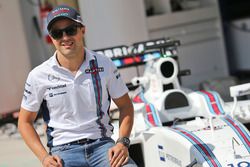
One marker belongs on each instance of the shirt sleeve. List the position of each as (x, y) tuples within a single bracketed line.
[(31, 100), (116, 85)]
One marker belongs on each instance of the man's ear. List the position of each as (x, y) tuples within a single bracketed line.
[(83, 29)]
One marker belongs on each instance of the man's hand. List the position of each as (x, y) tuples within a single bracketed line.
[(52, 161), (118, 155)]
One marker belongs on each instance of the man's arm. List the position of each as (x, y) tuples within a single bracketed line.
[(119, 153), (32, 139), (126, 118)]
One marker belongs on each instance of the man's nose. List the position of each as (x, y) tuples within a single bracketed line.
[(65, 36)]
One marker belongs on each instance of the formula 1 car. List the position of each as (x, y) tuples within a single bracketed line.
[(175, 126)]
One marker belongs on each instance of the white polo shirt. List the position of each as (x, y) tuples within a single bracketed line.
[(74, 107)]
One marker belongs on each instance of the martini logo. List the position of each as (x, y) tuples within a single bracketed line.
[(94, 70)]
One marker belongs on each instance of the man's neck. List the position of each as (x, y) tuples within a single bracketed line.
[(71, 62)]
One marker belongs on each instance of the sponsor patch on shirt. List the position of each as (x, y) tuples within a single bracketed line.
[(27, 91), (117, 74), (57, 87), (57, 90), (94, 70), (56, 94), (53, 78)]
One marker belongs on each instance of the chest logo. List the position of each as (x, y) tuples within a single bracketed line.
[(94, 70), (53, 78)]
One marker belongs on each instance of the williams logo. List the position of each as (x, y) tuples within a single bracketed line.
[(53, 78)]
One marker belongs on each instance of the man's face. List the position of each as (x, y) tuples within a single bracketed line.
[(67, 36)]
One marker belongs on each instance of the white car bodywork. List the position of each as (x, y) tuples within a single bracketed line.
[(174, 126), (207, 140), (203, 131)]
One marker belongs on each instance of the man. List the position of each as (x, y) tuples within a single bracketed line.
[(74, 89)]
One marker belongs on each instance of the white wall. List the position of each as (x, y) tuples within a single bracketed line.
[(14, 57), (38, 49), (113, 22), (117, 22)]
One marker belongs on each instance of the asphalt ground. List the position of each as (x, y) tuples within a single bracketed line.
[(14, 153)]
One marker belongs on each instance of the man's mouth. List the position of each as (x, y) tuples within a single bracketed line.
[(67, 44)]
